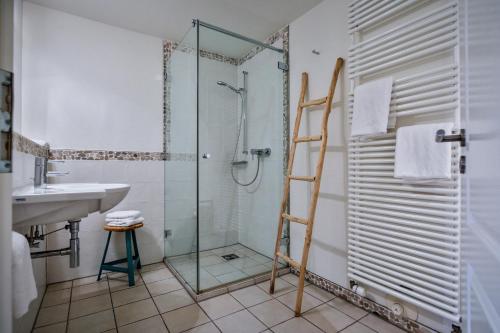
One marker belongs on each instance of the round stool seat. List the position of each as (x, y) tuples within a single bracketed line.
[(120, 228)]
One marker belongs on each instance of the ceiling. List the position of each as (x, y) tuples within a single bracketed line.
[(170, 19)]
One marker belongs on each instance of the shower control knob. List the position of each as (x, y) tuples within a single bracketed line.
[(206, 156)]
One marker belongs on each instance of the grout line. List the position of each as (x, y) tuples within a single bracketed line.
[(152, 299), (69, 307), (245, 308), (112, 306)]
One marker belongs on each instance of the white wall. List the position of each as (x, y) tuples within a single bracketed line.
[(259, 203), (323, 28), (88, 85), (91, 86)]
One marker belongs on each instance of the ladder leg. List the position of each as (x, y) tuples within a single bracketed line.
[(302, 274), (286, 190)]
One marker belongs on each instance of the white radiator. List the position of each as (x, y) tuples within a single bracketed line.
[(404, 240)]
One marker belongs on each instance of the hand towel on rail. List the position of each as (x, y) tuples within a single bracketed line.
[(371, 108), (24, 286), (419, 156)]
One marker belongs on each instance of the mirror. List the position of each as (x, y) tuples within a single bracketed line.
[(6, 100)]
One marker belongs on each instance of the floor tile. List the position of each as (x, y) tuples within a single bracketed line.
[(271, 312), (240, 322), (151, 325), (59, 286), (55, 328), (120, 281), (130, 295), (87, 280), (52, 315), (251, 296), (97, 322), (163, 286), (349, 309), (328, 318), (220, 306), (358, 328), (156, 275), (293, 279), (206, 328), (296, 325), (89, 290), (281, 287), (254, 270), (230, 277), (153, 267), (133, 312), (260, 258), (211, 260), (172, 300), (319, 293), (379, 325), (56, 297), (243, 262), (90, 305), (185, 318), (308, 301), (219, 269)]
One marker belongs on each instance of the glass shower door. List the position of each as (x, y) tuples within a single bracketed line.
[(240, 155)]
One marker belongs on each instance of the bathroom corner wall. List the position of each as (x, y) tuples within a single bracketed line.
[(323, 28), (94, 92)]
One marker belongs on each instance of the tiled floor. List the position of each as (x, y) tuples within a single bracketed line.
[(158, 303), (215, 270)]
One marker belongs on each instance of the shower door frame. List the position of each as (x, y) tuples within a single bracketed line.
[(286, 125)]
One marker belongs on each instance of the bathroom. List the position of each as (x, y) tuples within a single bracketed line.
[(145, 152)]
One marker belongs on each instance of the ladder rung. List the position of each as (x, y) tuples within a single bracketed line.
[(294, 218), (304, 178), (289, 260), (313, 102), (308, 138)]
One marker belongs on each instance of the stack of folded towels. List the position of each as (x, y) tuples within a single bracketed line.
[(124, 218)]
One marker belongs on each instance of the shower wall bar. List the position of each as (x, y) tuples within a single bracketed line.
[(404, 240)]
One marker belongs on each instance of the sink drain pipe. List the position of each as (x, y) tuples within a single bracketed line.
[(73, 251)]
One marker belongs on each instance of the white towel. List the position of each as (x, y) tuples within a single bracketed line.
[(419, 156), (371, 108), (24, 286), (125, 222), (124, 214)]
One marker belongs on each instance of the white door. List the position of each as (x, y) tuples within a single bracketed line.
[(481, 183)]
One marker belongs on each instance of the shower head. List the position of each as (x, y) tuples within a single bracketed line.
[(225, 84)]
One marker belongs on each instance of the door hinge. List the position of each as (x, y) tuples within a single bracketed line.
[(283, 66), (285, 241)]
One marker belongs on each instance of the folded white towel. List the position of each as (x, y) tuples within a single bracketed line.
[(124, 214), (371, 108), (125, 222), (24, 286), (419, 156)]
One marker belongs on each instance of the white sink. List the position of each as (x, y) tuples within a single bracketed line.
[(63, 202)]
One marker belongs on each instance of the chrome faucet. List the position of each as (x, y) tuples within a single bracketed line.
[(42, 173)]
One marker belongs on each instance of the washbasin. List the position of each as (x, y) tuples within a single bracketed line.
[(64, 202)]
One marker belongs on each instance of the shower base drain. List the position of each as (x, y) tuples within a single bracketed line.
[(230, 256)]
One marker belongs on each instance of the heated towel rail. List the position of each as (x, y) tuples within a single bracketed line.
[(404, 239)]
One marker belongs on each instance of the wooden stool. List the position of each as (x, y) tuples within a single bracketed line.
[(133, 261)]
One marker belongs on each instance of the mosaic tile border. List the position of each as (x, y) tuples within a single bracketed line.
[(104, 155), (365, 303), (24, 145), (203, 53)]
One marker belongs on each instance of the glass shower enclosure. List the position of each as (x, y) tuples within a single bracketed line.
[(225, 142)]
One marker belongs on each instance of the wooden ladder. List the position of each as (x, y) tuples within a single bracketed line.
[(316, 179)]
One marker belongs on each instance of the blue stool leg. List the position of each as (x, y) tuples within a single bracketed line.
[(130, 260), (136, 250), (104, 256)]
